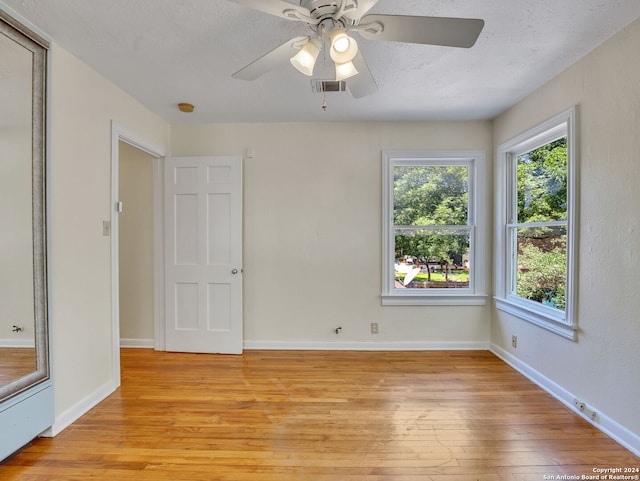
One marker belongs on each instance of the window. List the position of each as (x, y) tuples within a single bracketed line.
[(431, 237), (536, 222)]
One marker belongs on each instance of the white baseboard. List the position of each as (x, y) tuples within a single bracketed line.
[(26, 343), (365, 346), (142, 343), (604, 423), (80, 408)]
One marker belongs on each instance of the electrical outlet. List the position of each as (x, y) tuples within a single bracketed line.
[(514, 342), (374, 328)]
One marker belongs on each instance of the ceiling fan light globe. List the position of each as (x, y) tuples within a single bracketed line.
[(305, 60), (345, 70), (343, 48), (341, 43)]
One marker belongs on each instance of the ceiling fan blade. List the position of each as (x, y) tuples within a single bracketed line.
[(363, 83), (363, 6), (270, 60), (275, 7), (449, 32)]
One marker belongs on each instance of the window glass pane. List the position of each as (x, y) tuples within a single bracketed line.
[(542, 183), (431, 258), (430, 195), (542, 265)]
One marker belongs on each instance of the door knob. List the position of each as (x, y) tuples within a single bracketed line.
[(234, 271)]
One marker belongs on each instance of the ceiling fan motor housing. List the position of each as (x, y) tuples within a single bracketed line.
[(324, 11), (320, 8)]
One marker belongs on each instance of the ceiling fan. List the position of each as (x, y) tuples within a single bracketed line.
[(331, 20)]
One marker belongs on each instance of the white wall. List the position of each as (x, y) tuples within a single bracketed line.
[(312, 229), (83, 104), (602, 367), (136, 244)]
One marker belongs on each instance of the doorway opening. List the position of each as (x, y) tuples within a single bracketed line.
[(135, 240), (136, 278)]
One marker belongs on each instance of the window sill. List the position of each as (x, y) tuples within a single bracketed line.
[(535, 316), (433, 300)]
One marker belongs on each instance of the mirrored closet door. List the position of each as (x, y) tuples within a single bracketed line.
[(26, 399)]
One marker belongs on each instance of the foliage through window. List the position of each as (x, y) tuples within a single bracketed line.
[(430, 239), (537, 251), (540, 224)]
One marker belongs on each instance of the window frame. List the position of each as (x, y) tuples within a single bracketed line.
[(563, 323), (473, 295)]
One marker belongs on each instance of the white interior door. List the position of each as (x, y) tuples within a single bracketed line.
[(203, 254)]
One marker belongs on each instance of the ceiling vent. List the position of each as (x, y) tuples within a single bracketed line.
[(321, 86)]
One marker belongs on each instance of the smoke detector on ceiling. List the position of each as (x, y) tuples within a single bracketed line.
[(185, 107)]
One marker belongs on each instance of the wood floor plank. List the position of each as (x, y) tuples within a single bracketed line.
[(320, 416)]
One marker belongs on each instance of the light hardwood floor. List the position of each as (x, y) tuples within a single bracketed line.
[(326, 416), (16, 362)]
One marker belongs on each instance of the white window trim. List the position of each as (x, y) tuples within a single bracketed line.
[(562, 323), (475, 294)]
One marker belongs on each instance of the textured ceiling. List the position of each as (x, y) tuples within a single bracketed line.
[(167, 51)]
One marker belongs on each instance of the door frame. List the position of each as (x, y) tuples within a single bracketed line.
[(120, 133)]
